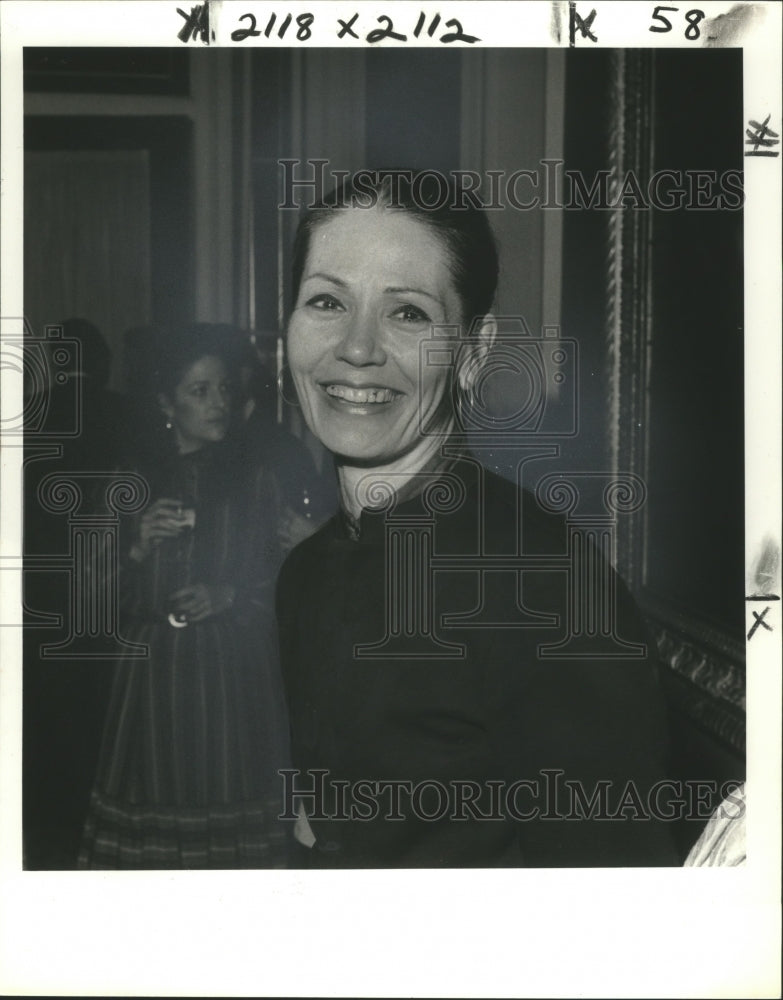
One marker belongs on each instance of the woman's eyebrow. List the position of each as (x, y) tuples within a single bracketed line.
[(327, 277), (417, 291)]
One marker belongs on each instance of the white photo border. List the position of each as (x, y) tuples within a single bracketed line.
[(647, 932)]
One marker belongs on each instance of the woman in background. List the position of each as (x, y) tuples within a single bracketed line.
[(196, 731)]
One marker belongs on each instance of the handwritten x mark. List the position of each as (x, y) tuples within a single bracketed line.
[(759, 621)]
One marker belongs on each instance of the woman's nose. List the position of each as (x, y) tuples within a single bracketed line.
[(361, 344), (220, 399)]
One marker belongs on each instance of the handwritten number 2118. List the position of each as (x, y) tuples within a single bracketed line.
[(303, 32)]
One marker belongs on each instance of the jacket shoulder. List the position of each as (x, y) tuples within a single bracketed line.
[(308, 552)]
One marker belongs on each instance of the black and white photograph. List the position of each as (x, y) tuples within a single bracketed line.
[(391, 499)]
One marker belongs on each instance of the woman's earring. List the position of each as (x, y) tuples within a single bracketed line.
[(285, 388)]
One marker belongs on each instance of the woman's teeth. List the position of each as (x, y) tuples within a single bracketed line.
[(353, 395)]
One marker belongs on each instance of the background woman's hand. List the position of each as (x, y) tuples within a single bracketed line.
[(201, 600), (162, 519), (293, 528)]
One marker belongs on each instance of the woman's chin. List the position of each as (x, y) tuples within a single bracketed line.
[(371, 454), (368, 441), (347, 454), (218, 434), (360, 450)]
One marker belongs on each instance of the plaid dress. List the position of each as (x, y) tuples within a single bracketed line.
[(196, 731)]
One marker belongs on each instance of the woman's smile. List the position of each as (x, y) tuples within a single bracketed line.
[(358, 397)]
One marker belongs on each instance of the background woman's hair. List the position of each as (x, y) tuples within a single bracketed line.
[(188, 345), (434, 199)]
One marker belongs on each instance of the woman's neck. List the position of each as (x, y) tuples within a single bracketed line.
[(362, 487)]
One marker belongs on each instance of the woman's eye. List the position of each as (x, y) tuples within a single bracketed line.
[(325, 303), (411, 314)]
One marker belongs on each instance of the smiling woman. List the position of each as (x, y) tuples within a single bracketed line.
[(430, 706), (370, 285)]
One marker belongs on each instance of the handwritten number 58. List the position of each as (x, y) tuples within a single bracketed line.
[(692, 17)]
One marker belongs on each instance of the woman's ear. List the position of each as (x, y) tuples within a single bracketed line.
[(475, 351), (165, 406)]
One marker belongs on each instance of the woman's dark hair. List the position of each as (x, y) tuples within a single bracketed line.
[(189, 344), (435, 200), (95, 352)]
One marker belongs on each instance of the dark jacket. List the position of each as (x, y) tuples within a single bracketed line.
[(413, 654)]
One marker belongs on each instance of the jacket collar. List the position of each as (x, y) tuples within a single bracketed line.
[(408, 501)]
